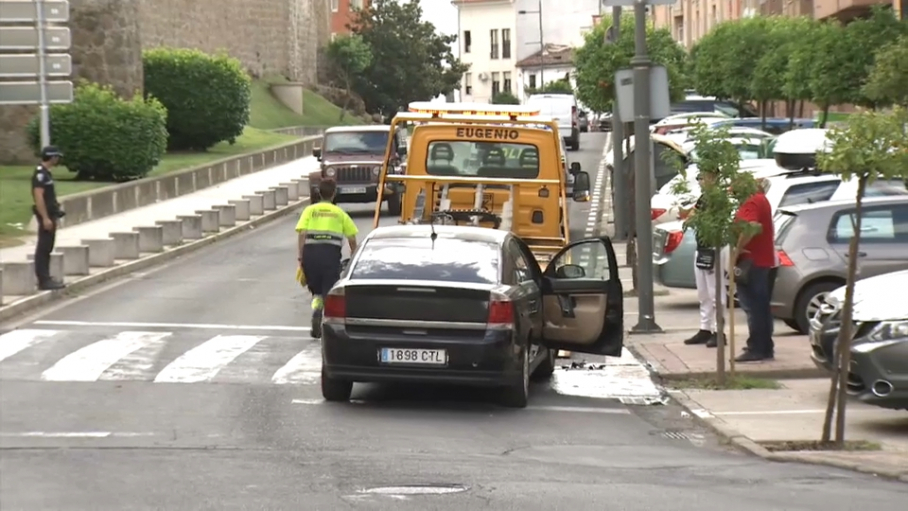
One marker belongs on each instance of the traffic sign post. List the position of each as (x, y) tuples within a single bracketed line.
[(40, 65)]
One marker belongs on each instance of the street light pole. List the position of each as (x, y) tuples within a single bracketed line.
[(541, 49), (619, 178)]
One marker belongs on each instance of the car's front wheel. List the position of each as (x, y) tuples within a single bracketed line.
[(518, 393), (334, 389)]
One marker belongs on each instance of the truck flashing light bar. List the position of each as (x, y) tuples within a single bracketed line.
[(436, 110)]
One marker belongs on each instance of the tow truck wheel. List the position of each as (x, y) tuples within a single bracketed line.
[(336, 390), (394, 205), (517, 394)]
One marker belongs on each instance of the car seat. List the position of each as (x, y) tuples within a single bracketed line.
[(441, 152)]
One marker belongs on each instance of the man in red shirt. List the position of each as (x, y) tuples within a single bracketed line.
[(754, 294)]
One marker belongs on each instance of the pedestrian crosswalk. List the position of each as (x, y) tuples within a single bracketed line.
[(158, 357)]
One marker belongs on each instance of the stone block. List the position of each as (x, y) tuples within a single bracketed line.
[(226, 214), (211, 220), (101, 252), (75, 260), (191, 226), (18, 279), (281, 195), (293, 191), (302, 187), (256, 204), (241, 209), (268, 200), (151, 238), (126, 245), (55, 266), (172, 231)]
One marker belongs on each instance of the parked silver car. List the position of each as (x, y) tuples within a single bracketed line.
[(812, 241)]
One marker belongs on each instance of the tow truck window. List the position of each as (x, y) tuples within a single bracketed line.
[(362, 142), (483, 159), (448, 260)]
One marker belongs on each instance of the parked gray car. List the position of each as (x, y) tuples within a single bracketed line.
[(812, 241)]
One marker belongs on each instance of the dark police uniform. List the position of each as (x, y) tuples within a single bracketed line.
[(327, 227), (43, 179)]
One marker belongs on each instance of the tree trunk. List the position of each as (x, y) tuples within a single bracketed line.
[(763, 115), (720, 319), (730, 302), (801, 109), (845, 333), (791, 105), (824, 116)]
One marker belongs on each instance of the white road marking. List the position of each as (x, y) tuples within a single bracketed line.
[(203, 362), (18, 340), (199, 326), (73, 434), (305, 367), (90, 362), (769, 412), (138, 365)]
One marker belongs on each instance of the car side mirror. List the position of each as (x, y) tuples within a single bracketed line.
[(575, 167), (581, 187), (570, 271), (317, 152)]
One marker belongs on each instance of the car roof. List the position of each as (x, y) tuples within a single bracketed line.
[(355, 129), (837, 204), (456, 232)]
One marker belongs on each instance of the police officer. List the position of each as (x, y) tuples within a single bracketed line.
[(322, 228), (47, 212)]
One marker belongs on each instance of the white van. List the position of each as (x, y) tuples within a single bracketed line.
[(563, 109)]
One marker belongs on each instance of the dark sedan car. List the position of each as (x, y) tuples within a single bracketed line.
[(466, 305)]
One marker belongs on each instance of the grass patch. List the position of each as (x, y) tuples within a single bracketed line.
[(815, 445), (731, 383), (15, 181), (268, 113)]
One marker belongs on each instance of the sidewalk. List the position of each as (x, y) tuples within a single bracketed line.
[(750, 418)]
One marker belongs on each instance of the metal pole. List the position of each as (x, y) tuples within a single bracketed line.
[(641, 64), (619, 178), (541, 50), (42, 75)]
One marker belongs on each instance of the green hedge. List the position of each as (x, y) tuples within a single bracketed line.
[(207, 96), (104, 137)]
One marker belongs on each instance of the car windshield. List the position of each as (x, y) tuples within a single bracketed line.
[(448, 260), (356, 142), (483, 159)]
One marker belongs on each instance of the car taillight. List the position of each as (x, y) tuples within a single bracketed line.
[(784, 260), (673, 241), (656, 213), (501, 313), (683, 213), (335, 307)]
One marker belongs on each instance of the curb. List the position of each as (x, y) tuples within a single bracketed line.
[(770, 374), (749, 446), (45, 297)]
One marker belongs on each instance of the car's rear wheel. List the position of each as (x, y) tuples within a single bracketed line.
[(545, 368), (809, 302), (336, 390), (518, 394)]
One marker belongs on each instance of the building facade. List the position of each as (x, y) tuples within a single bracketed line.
[(342, 14), (486, 31)]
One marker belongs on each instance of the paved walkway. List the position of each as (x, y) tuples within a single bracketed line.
[(170, 209)]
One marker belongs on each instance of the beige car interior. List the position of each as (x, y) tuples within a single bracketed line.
[(586, 325)]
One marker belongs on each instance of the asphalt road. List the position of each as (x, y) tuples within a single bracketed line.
[(127, 403)]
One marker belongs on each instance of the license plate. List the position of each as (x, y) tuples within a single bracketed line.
[(352, 189), (413, 356)]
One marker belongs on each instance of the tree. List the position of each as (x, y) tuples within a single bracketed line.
[(349, 56), (802, 52), (505, 98), (715, 224), (872, 145), (597, 61), (783, 36), (888, 80), (562, 86), (866, 37), (829, 68), (726, 59), (411, 61)]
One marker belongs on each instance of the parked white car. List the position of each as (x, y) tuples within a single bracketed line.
[(682, 135), (674, 122)]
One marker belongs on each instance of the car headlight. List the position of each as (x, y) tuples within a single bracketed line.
[(376, 171), (330, 172), (885, 334)]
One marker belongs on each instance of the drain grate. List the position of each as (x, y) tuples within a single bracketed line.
[(675, 435)]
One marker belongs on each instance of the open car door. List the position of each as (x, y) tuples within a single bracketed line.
[(583, 301)]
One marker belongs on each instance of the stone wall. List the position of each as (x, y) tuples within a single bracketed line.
[(270, 37)]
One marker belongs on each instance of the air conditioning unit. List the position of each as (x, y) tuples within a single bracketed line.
[(483, 76)]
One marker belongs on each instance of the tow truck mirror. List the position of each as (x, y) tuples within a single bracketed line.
[(317, 152), (575, 168), (581, 187)]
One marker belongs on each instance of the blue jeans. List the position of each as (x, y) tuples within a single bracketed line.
[(755, 297)]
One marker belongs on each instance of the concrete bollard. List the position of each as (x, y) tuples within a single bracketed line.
[(55, 266), (1, 287), (302, 187), (192, 226), (19, 279), (241, 209), (211, 221), (268, 200), (293, 191), (172, 231), (226, 214), (256, 204), (151, 238), (75, 260), (100, 252), (281, 195), (126, 245)]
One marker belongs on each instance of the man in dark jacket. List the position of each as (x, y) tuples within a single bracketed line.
[(47, 212)]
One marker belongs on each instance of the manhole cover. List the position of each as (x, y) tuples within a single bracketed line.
[(428, 489)]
